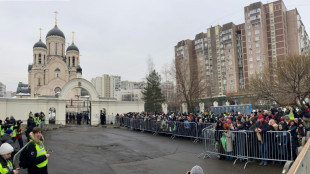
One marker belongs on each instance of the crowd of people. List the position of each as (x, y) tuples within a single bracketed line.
[(294, 122), (35, 156), (77, 118)]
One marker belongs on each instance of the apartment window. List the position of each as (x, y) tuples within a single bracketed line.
[(272, 27), (249, 33), (229, 69), (251, 65), (231, 81), (223, 57), (231, 87), (257, 45), (208, 73), (273, 52), (248, 20), (207, 61), (257, 38), (230, 63), (256, 31), (223, 70), (201, 58), (250, 52), (223, 64), (256, 25), (228, 45), (229, 56), (258, 51), (251, 59), (207, 67), (273, 46), (230, 75), (224, 81), (259, 58), (249, 40), (229, 50), (272, 33), (250, 46), (251, 72), (260, 64), (249, 26)]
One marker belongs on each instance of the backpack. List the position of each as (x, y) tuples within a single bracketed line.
[(23, 158)]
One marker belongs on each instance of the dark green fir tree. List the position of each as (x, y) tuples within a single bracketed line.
[(152, 95)]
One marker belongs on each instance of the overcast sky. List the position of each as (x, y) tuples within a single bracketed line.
[(114, 37)]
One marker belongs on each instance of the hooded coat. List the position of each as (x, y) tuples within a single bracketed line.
[(32, 156)]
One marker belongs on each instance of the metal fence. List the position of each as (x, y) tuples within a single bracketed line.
[(173, 128), (248, 145)]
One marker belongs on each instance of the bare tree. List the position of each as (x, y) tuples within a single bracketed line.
[(189, 87), (287, 84)]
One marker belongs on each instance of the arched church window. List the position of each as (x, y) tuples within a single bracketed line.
[(62, 49), (57, 90), (49, 48), (69, 61), (40, 61), (73, 61), (44, 59), (35, 59), (56, 49), (39, 82), (57, 72)]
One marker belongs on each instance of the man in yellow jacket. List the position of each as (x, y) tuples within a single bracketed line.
[(36, 153), (6, 165)]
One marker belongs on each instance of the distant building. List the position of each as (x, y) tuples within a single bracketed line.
[(2, 90), (106, 85), (223, 59)]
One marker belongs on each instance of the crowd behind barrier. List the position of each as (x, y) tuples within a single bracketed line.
[(173, 128), (275, 135)]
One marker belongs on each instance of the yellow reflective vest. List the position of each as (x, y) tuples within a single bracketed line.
[(14, 131), (2, 130), (40, 151), (7, 169)]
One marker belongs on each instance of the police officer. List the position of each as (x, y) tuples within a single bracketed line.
[(37, 154)]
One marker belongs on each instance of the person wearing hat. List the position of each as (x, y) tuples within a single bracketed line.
[(37, 154), (7, 137), (6, 165), (195, 170), (262, 127)]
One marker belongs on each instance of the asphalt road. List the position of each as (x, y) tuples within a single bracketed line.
[(96, 150)]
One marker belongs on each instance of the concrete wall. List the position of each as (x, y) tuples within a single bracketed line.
[(302, 163), (20, 108)]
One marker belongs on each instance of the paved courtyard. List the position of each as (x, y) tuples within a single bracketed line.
[(120, 151)]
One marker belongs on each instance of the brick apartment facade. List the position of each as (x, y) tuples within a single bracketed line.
[(223, 59)]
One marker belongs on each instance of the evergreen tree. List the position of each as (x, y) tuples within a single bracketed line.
[(152, 95)]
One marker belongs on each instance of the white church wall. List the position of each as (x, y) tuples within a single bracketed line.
[(20, 108)]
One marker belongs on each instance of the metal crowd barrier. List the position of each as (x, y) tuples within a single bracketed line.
[(246, 145), (173, 128)]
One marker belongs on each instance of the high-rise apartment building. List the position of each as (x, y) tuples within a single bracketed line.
[(223, 59), (2, 90), (106, 85)]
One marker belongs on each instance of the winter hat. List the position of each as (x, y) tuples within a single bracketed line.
[(197, 170), (8, 131), (259, 117), (6, 148)]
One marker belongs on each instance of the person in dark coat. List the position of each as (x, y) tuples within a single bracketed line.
[(218, 135), (38, 162), (262, 127), (292, 130)]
